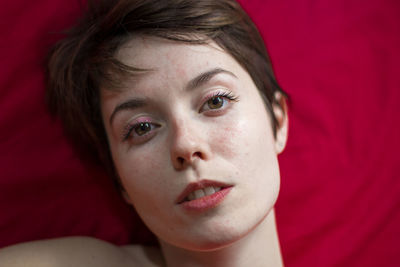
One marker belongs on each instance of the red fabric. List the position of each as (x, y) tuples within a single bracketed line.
[(339, 61), (340, 196)]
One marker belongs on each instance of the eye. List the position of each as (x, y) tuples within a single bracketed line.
[(140, 131), (218, 101), (142, 128)]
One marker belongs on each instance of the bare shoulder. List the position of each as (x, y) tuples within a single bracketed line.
[(145, 255), (71, 252)]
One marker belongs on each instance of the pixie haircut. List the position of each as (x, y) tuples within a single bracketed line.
[(84, 60)]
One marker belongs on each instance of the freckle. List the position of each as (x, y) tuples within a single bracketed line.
[(181, 72)]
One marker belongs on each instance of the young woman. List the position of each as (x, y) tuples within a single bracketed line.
[(178, 100)]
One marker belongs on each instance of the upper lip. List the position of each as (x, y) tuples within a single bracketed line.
[(198, 185)]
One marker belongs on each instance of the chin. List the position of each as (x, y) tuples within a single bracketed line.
[(216, 237)]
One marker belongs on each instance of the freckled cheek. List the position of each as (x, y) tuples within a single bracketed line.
[(227, 141), (138, 172), (243, 138)]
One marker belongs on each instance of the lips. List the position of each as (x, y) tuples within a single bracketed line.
[(199, 193), (201, 189)]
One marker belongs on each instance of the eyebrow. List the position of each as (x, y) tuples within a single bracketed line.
[(194, 83), (205, 77)]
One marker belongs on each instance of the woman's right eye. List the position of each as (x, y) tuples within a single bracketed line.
[(141, 130)]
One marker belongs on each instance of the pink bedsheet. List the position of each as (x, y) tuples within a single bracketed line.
[(340, 196)]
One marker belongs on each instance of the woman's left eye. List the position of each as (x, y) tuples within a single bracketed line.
[(218, 101)]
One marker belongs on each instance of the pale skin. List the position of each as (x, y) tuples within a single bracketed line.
[(195, 115)]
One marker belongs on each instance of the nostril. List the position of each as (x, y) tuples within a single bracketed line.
[(181, 160), (197, 154)]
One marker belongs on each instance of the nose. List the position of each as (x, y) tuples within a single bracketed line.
[(188, 144)]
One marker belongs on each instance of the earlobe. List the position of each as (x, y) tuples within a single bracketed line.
[(281, 113)]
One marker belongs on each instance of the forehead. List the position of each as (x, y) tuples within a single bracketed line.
[(172, 59), (146, 50)]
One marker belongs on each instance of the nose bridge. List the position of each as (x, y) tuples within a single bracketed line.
[(188, 141), (184, 133)]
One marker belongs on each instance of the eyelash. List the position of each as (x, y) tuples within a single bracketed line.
[(131, 127), (227, 95)]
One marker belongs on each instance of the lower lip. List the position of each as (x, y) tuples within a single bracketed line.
[(206, 202)]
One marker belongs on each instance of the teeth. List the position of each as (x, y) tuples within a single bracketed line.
[(199, 193), (209, 190)]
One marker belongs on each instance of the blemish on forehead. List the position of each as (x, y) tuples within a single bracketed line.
[(181, 72), (144, 41)]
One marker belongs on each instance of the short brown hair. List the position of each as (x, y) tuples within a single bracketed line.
[(84, 60)]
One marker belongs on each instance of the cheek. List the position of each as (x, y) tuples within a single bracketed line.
[(224, 141), (138, 171), (244, 138)]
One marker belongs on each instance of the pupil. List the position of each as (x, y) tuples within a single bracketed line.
[(143, 128), (216, 102)]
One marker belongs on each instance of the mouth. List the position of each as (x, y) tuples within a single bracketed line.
[(199, 193), (203, 195)]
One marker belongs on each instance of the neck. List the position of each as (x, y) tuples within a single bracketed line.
[(260, 248)]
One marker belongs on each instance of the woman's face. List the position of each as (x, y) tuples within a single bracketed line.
[(192, 143)]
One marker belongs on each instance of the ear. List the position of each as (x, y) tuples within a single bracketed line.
[(281, 113)]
